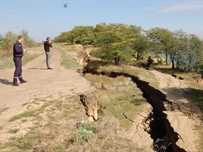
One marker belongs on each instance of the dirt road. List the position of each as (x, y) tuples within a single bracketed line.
[(41, 82)]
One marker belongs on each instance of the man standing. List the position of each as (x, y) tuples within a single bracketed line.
[(17, 58), (47, 46)]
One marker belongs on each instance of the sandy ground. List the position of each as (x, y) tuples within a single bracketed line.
[(41, 82), (183, 121)]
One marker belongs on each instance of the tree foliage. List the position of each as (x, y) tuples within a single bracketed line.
[(7, 41), (123, 43), (117, 41), (181, 49), (79, 35)]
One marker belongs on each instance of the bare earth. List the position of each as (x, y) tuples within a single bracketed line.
[(43, 82), (183, 121)]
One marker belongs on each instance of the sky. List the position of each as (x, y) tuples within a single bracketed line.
[(43, 18)]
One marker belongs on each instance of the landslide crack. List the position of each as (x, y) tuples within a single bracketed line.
[(163, 135)]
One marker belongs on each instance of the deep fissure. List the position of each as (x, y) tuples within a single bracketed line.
[(163, 135)]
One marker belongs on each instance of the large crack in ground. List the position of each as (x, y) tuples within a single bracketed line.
[(163, 135)]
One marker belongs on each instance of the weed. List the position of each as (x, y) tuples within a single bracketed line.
[(3, 110), (84, 134), (24, 120), (31, 113), (25, 104), (13, 131)]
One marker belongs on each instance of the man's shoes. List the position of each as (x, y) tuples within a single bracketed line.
[(15, 84), (49, 68), (23, 81)]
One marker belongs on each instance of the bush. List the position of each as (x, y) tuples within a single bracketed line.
[(7, 41)]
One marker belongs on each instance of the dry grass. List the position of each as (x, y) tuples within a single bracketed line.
[(120, 97), (58, 123), (32, 53), (141, 73), (195, 93)]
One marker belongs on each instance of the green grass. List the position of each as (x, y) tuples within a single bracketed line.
[(3, 110), (32, 113), (167, 69), (122, 97), (13, 131), (68, 62), (6, 63), (25, 142), (196, 94), (141, 73), (197, 97), (63, 127)]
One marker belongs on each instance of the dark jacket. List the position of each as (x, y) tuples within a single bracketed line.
[(17, 49), (46, 46)]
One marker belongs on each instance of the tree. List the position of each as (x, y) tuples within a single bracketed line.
[(162, 38), (195, 51), (78, 35), (140, 46), (115, 41), (62, 37), (7, 43), (28, 42)]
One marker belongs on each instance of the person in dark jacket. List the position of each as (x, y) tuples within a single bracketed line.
[(17, 58), (47, 46)]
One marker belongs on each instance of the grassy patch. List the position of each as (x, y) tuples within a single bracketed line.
[(6, 63), (68, 62), (141, 73), (28, 57), (3, 110), (13, 131), (32, 113), (167, 69), (64, 127), (196, 94), (23, 143), (122, 97)]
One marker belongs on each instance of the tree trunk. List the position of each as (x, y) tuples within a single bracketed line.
[(177, 65), (173, 65), (166, 57), (138, 55), (117, 61)]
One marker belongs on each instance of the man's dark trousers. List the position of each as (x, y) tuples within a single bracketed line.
[(18, 69)]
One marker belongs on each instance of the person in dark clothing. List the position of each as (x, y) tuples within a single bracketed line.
[(149, 61), (17, 58), (47, 46)]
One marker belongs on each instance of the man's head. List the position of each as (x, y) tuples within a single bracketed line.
[(20, 38), (48, 38)]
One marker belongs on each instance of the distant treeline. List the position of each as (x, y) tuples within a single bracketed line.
[(122, 43), (7, 41)]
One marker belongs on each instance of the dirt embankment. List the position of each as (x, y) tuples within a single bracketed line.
[(160, 121)]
